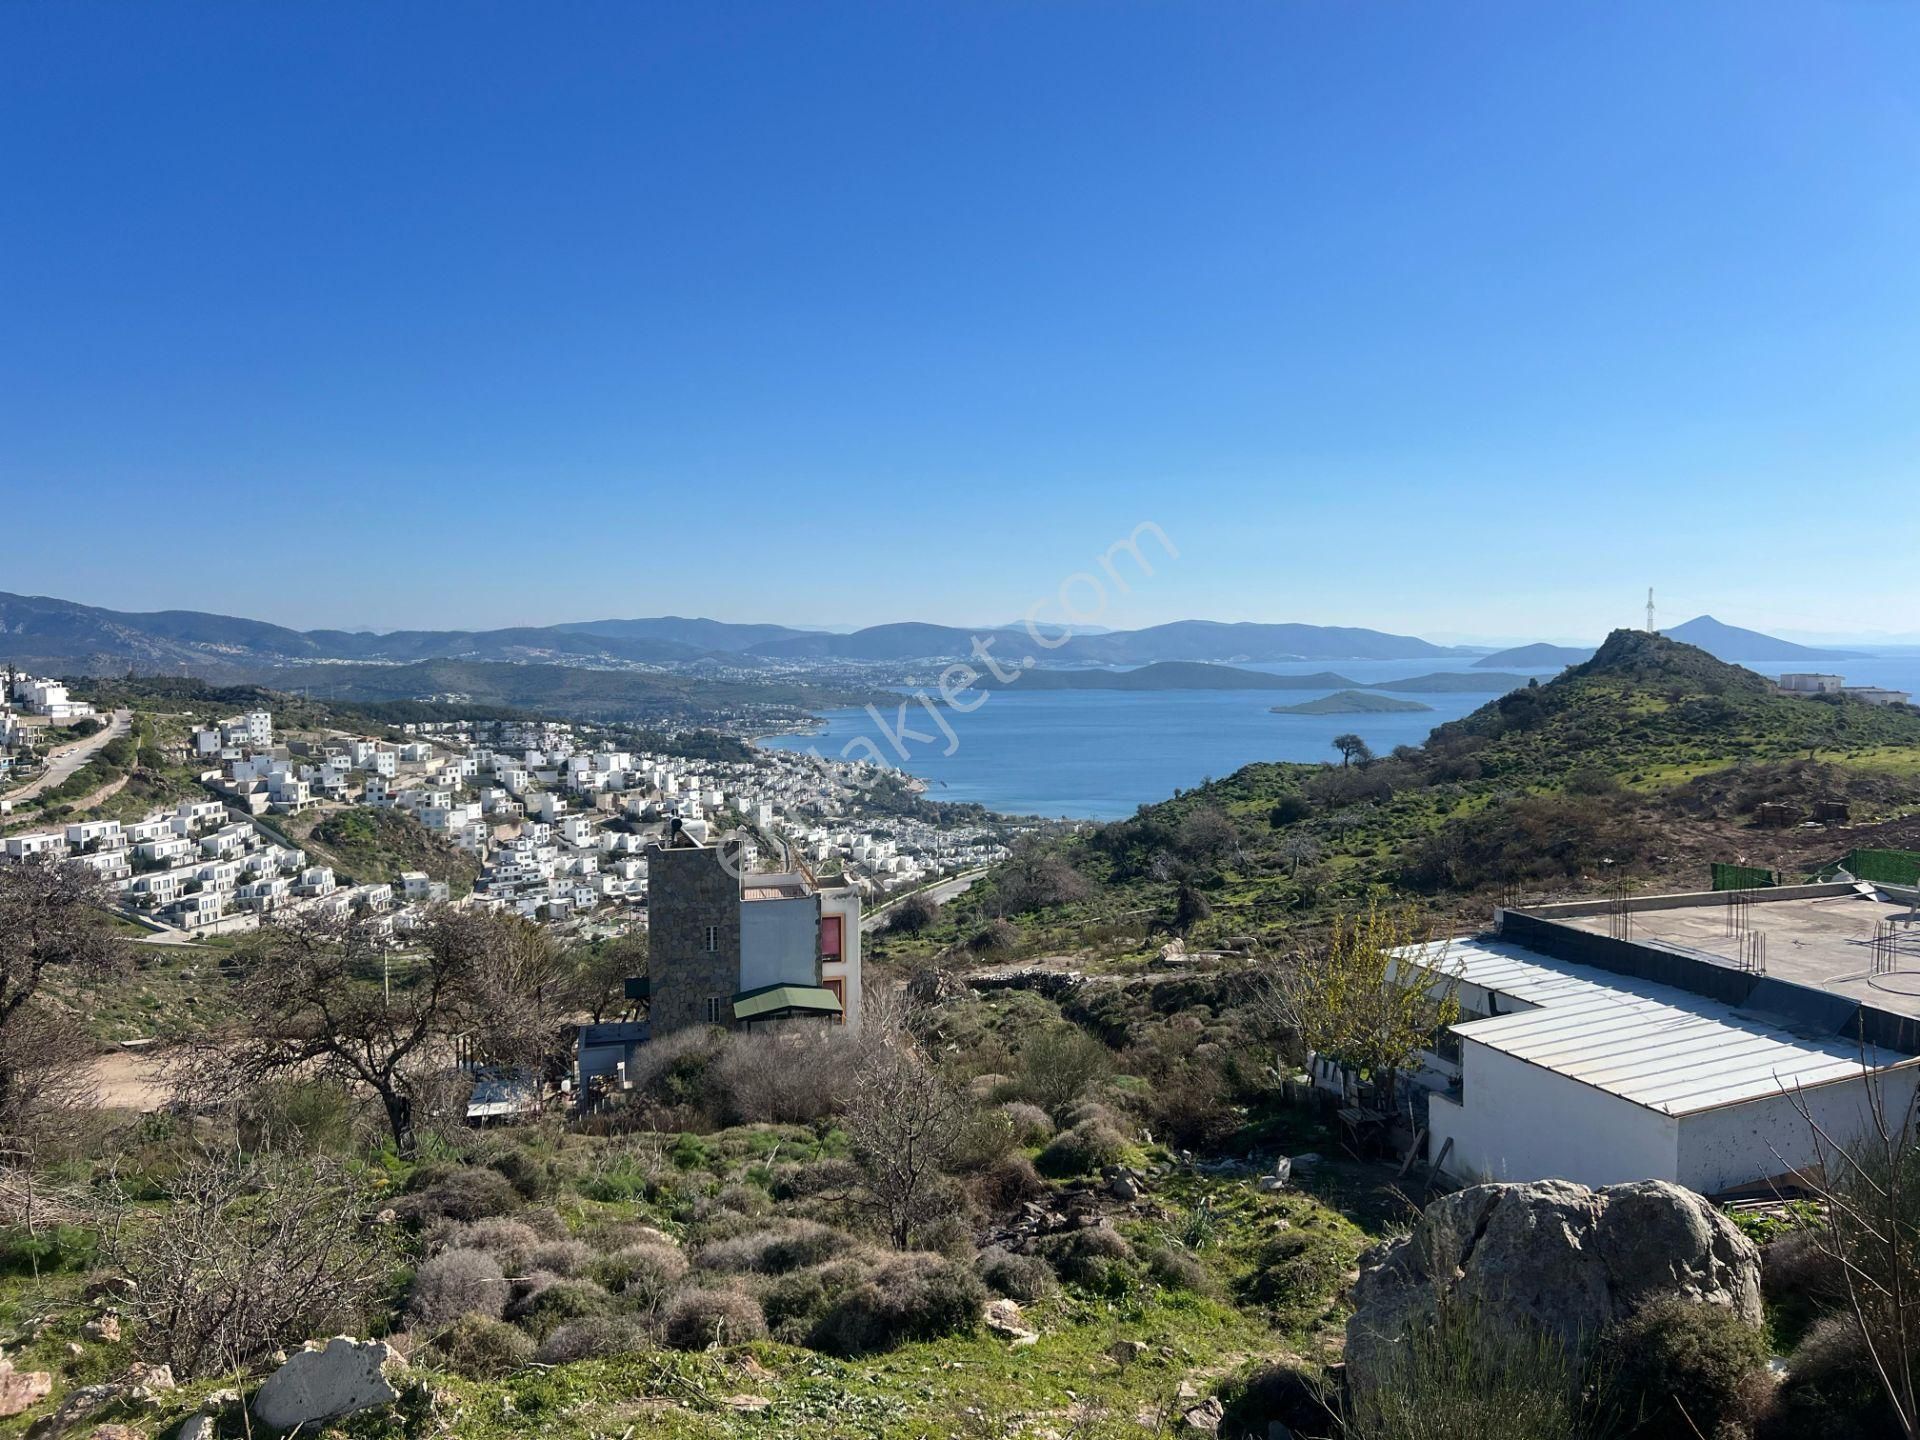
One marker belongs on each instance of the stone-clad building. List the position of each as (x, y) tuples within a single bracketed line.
[(737, 949)]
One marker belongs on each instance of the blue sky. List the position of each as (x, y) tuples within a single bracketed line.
[(1471, 320)]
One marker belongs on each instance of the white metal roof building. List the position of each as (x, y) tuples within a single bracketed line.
[(1588, 1074)]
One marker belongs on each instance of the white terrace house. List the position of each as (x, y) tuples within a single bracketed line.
[(1666, 1045)]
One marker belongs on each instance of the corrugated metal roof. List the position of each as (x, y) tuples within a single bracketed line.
[(1663, 1048), (771, 1000)]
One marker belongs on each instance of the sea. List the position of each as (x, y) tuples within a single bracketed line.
[(1101, 754)]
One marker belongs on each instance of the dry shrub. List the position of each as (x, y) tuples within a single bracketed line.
[(466, 1193), (909, 1298), (455, 1283), (1676, 1364), (1007, 1186), (699, 1318), (591, 1339), (1801, 1264), (562, 1257), (776, 1250), (1059, 1066), (255, 1254), (1173, 1269), (791, 1077), (508, 1241), (478, 1348), (744, 1199), (1097, 1258), (1025, 1278), (807, 1179)]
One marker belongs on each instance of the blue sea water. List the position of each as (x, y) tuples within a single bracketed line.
[(1100, 754)]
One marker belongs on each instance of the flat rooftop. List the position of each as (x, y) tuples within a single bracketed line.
[(1825, 942), (1667, 1049)]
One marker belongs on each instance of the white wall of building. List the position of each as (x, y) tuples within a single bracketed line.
[(1736, 1145), (1516, 1121)]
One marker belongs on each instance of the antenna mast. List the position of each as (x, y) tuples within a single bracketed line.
[(1650, 629)]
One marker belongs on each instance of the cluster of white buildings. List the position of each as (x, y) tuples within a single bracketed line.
[(196, 868), (1808, 683), (28, 704), (559, 820)]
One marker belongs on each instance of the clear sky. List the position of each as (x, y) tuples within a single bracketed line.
[(1466, 319)]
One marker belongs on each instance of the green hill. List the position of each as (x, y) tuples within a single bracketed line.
[(1350, 702), (1643, 763)]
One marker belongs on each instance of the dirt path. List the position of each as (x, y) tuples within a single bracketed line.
[(132, 1079)]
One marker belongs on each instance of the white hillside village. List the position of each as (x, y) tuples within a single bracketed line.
[(557, 819)]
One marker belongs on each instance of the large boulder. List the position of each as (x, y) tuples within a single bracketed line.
[(1549, 1256), (22, 1389), (324, 1382)]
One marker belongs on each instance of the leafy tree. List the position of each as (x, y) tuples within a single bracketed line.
[(321, 995), (912, 915), (1356, 1001), (600, 973), (1352, 748)]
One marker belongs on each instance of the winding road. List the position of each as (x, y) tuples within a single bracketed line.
[(70, 758)]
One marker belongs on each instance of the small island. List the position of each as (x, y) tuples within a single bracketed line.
[(1350, 702)]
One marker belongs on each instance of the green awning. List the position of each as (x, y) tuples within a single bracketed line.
[(771, 1000)]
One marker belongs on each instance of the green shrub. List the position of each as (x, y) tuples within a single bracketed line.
[(1679, 1363), (1173, 1269), (63, 1247), (478, 1348), (1097, 1258), (1025, 1278), (699, 1318), (1082, 1150), (1005, 1187), (909, 1298), (797, 1302), (544, 1310), (1058, 1066), (530, 1176), (1031, 1124), (645, 1276), (1831, 1388)]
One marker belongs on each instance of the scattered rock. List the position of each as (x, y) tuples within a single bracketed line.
[(1125, 1352), (747, 1404), (1205, 1417), (323, 1382), (22, 1389), (1124, 1187), (116, 1432), (1552, 1256), (389, 1216), (199, 1427), (1005, 1319), (104, 1327), (110, 1287)]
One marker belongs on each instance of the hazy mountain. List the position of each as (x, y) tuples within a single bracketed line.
[(1534, 657), (1180, 640), (1730, 642), (700, 634)]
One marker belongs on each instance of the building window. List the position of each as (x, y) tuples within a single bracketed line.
[(715, 1013), (713, 938), (830, 937)]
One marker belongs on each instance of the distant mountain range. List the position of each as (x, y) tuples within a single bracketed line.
[(66, 637)]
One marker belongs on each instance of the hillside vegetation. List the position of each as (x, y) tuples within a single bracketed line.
[(1642, 764)]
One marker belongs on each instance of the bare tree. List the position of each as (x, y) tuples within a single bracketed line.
[(1870, 1186), (905, 1122), (52, 919), (251, 1255)]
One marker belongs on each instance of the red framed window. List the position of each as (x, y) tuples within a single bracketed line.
[(830, 937)]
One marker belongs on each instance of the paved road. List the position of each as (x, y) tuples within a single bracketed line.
[(939, 893), (72, 757)]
